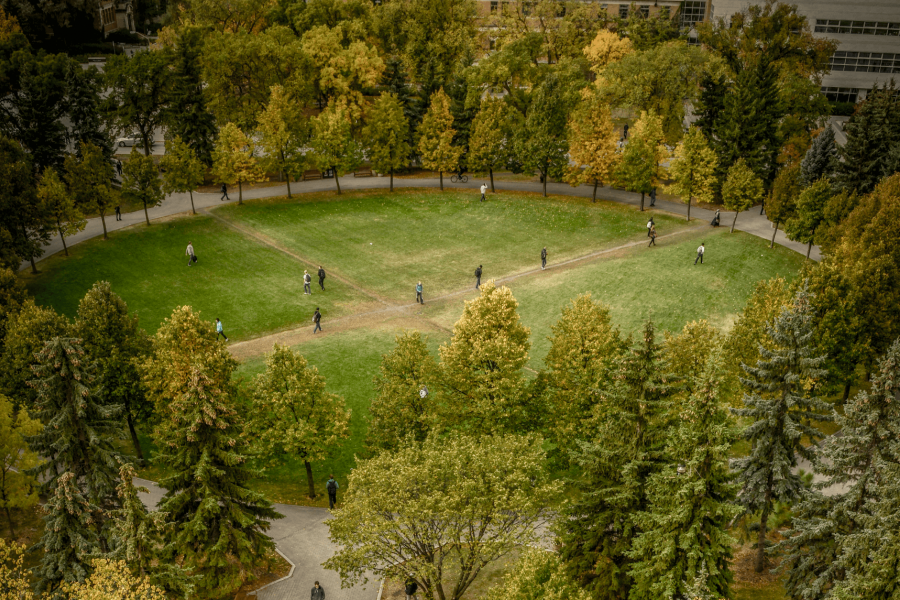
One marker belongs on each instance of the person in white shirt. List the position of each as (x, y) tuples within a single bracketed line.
[(483, 190), (700, 252), (190, 253), (649, 225)]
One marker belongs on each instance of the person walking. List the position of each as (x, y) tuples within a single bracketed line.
[(331, 487), (317, 319), (478, 278), (318, 592), (715, 219), (652, 236), (321, 278), (118, 214), (544, 258), (411, 588), (192, 258), (224, 193), (652, 197), (220, 330), (119, 167), (650, 225), (625, 132), (483, 191), (419, 293), (700, 252), (306, 281)]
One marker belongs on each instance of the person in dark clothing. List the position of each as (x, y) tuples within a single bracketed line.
[(224, 193), (118, 214), (544, 258), (652, 236), (715, 219), (317, 319), (318, 592), (411, 588), (419, 293), (119, 167), (653, 197), (478, 278), (321, 278), (332, 488)]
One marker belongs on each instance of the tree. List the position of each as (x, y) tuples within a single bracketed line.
[(461, 500), (828, 540), (140, 181), (182, 170), (538, 573), (294, 413), (688, 353), (84, 108), (218, 522), (782, 408), (742, 189), (233, 160), (57, 200), (17, 486), (90, 181), (15, 579), (691, 502), (13, 296), (593, 143), (871, 132), (436, 137), (70, 536), (810, 213), (187, 116), (283, 131), (820, 159), (139, 89), (111, 580), (639, 169), (606, 48), (582, 350), (693, 169), (114, 341), (482, 379), (404, 405), (540, 144), (491, 141), (333, 144), (625, 449), (782, 202), (25, 223), (386, 134)]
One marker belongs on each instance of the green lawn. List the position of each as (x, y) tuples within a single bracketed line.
[(253, 288), (387, 242)]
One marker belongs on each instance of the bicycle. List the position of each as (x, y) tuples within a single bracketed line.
[(459, 177)]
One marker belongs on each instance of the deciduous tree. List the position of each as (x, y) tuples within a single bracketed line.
[(84, 107), (111, 580), (139, 88), (283, 130), (333, 144), (491, 141), (386, 134), (15, 579), (693, 169), (782, 201), (233, 159), (688, 353), (436, 137), (742, 189), (606, 47), (593, 143), (57, 200), (141, 183), (538, 573), (25, 222), (540, 144), (809, 214), (90, 181), (182, 169), (17, 486)]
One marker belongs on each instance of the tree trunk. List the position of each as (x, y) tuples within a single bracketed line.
[(392, 179), (193, 210), (642, 201), (240, 193), (545, 186), (594, 197), (146, 139), (309, 480), (288, 180), (103, 220), (808, 250), (491, 173), (12, 531), (134, 437), (734, 221), (62, 236), (146, 214), (337, 180), (774, 233), (761, 542), (33, 266), (441, 176), (689, 209), (846, 392)]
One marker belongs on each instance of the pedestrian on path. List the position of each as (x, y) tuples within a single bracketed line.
[(483, 190), (625, 132), (192, 258), (650, 225), (306, 281), (332, 488), (652, 197), (317, 319), (118, 214), (652, 236), (411, 588), (419, 293), (220, 330), (544, 258), (478, 278), (318, 592), (700, 252), (224, 193), (321, 278), (715, 219), (119, 167)]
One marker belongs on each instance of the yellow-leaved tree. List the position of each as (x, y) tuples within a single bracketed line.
[(436, 137), (641, 167), (15, 579), (491, 143), (17, 489), (283, 130), (233, 159), (112, 580), (742, 189), (333, 143), (606, 47), (592, 143), (693, 169)]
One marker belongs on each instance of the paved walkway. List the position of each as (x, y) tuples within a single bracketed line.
[(749, 221)]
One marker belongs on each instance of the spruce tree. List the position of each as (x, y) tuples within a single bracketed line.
[(626, 449), (871, 132), (782, 407), (79, 427), (820, 159), (189, 118), (692, 500)]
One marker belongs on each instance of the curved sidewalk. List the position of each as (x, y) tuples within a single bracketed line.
[(749, 221)]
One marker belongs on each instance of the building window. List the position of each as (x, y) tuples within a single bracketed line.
[(108, 15), (866, 62), (841, 94), (692, 11), (495, 4), (857, 27), (645, 10), (623, 11)]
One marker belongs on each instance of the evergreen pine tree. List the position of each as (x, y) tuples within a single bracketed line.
[(830, 537), (692, 500), (710, 108), (871, 132), (189, 118), (820, 159), (624, 452), (70, 537), (782, 407), (79, 428)]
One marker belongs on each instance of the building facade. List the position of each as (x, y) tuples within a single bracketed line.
[(116, 15), (868, 32)]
